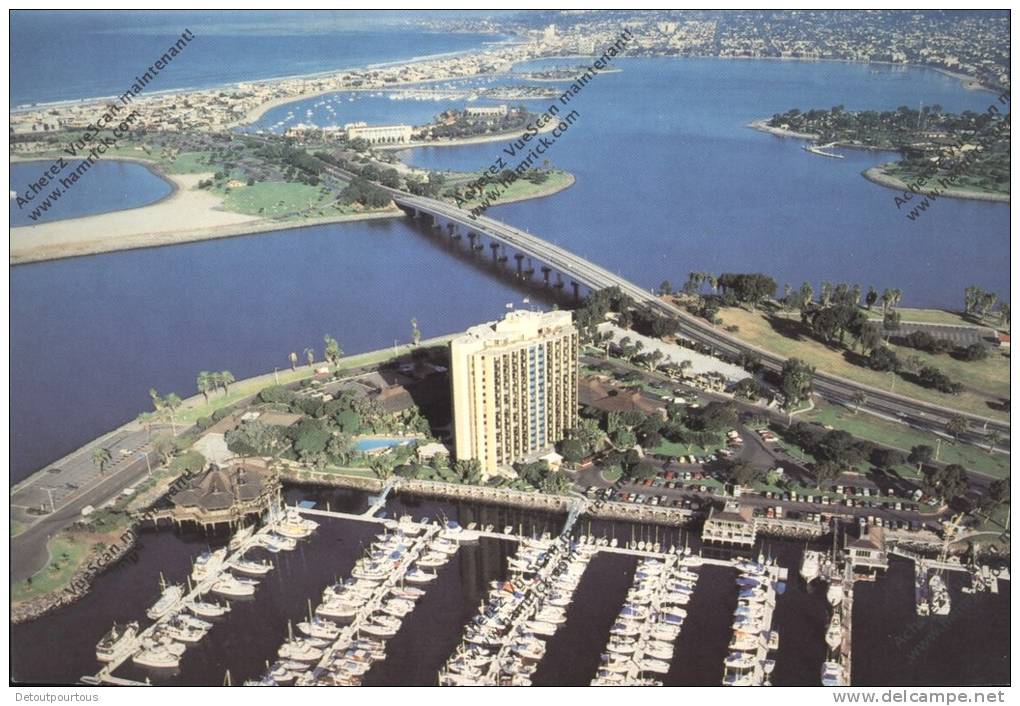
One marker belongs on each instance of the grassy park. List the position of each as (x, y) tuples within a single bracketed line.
[(990, 376)]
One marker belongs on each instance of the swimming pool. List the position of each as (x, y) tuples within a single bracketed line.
[(377, 443)]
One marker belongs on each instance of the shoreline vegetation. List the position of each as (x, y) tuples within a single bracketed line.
[(880, 173)]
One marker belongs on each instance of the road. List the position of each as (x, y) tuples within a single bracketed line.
[(28, 549)]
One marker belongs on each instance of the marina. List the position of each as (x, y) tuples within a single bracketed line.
[(248, 633)]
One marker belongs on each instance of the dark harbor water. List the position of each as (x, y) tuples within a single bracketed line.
[(109, 185), (669, 180), (251, 633)]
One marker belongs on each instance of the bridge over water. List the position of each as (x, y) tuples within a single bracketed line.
[(505, 240)]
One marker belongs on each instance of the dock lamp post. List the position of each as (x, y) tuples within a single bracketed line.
[(145, 455)]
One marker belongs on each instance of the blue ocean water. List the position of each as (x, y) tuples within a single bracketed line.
[(108, 185), (68, 55)]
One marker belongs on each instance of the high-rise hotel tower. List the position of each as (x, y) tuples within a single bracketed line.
[(514, 387)]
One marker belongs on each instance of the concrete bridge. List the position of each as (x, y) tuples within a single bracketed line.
[(581, 273)]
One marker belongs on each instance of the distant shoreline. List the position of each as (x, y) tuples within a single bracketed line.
[(877, 174)]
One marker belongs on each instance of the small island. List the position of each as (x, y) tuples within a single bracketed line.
[(967, 153)]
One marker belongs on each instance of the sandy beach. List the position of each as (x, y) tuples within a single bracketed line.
[(187, 215), (763, 126)]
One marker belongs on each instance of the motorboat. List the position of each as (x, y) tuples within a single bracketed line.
[(234, 587), (252, 568), (811, 565), (409, 593), (938, 595), (240, 537), (318, 627), (276, 543), (416, 575), (167, 602), (338, 608), (204, 609), (117, 643), (300, 650), (834, 635), (156, 657), (833, 674), (208, 564)]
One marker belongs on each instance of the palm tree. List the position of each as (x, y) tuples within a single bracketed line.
[(171, 403), (225, 379), (310, 356), (956, 425), (860, 399), (205, 382), (101, 457), (333, 352), (293, 360)]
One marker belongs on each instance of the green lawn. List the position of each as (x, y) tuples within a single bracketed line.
[(933, 316), (57, 572), (517, 190), (987, 375), (188, 163), (675, 449), (870, 428), (274, 198)]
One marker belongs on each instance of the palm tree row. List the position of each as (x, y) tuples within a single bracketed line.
[(210, 382)]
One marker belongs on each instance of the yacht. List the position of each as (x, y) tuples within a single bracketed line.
[(317, 627), (240, 537), (157, 657), (416, 575), (300, 650), (834, 635), (276, 543), (811, 565), (233, 587), (409, 593), (938, 595), (252, 568), (207, 610), (835, 593), (833, 674), (167, 602), (208, 564), (117, 643)]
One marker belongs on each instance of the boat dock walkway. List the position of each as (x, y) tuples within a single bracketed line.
[(350, 631), (105, 675)]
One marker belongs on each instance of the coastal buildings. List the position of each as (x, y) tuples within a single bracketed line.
[(514, 387), (378, 134), (868, 550), (733, 526), (486, 110), (224, 495)]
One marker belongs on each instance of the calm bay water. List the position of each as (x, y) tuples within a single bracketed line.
[(668, 181), (109, 185), (250, 635)]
